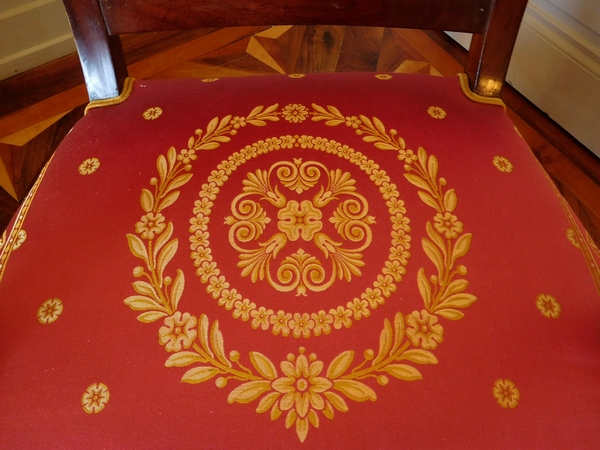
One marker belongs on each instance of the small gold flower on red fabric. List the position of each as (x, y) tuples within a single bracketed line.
[(152, 113), (341, 316), (301, 325), (295, 113), (322, 321), (209, 80), (383, 76), (150, 224), (178, 332), (503, 164), (243, 308), (21, 236), (436, 112), (572, 237), (95, 398), (448, 224), (506, 393), (408, 156), (260, 317), (353, 121), (548, 306), (50, 310), (280, 323), (423, 329), (89, 166), (296, 75)]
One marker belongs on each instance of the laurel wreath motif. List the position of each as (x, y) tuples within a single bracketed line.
[(302, 387)]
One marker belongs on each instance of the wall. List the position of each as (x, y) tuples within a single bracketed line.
[(32, 32)]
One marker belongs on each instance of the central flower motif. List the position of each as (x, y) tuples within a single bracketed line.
[(300, 220), (302, 390)]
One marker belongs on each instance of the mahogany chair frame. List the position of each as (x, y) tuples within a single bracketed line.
[(97, 25)]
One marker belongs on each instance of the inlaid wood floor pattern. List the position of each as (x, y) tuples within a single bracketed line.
[(39, 107)]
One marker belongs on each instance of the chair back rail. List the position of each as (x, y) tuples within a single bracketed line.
[(98, 23)]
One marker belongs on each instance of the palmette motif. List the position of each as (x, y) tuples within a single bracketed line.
[(304, 388)]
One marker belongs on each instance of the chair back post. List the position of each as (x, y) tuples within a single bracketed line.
[(101, 55), (490, 52), (97, 25)]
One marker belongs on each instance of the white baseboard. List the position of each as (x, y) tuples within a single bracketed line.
[(32, 33), (556, 65)]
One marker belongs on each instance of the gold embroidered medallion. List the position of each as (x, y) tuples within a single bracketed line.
[(304, 387)]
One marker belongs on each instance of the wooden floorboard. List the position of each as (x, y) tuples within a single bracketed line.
[(38, 107)]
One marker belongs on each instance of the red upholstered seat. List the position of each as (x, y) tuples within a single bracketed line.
[(323, 261)]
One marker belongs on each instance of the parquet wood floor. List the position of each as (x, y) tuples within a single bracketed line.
[(38, 108)]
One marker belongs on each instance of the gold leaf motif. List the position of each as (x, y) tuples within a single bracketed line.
[(267, 402), (417, 181), (461, 300), (420, 356), (203, 335), (451, 314), (140, 303), (403, 372), (168, 200), (137, 247), (450, 200), (177, 290), (182, 359), (166, 255), (217, 343), (144, 288), (263, 365), (398, 332), (337, 401), (162, 239), (147, 200), (385, 342), (355, 390), (461, 247), (433, 253), (161, 165), (429, 200), (247, 392), (200, 374), (340, 364), (424, 288), (151, 316)]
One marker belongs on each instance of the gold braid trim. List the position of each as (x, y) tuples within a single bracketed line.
[(8, 240), (464, 85), (127, 89)]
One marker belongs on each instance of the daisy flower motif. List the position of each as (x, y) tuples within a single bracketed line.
[(89, 166), (95, 398), (502, 164), (506, 393), (436, 112), (295, 113), (50, 310), (152, 113), (301, 391), (548, 306)]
